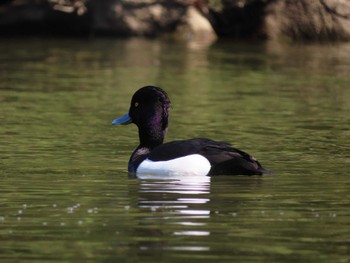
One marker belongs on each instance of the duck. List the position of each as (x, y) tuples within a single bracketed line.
[(149, 111)]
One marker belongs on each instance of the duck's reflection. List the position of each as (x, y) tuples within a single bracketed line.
[(176, 210), (191, 185), (179, 198)]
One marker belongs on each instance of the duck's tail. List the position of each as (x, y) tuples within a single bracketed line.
[(264, 171)]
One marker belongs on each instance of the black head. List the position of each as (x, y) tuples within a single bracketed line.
[(150, 104), (149, 110)]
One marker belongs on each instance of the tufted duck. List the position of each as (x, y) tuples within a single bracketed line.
[(149, 110)]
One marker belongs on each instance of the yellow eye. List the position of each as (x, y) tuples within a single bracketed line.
[(136, 104)]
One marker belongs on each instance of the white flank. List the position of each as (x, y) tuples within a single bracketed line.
[(191, 165)]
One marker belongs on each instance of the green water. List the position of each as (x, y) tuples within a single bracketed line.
[(65, 195)]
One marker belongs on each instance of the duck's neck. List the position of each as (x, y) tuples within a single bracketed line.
[(153, 130), (148, 141), (151, 136)]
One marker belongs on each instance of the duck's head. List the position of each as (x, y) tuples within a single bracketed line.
[(149, 110)]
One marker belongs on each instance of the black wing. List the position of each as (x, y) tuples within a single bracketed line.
[(222, 156)]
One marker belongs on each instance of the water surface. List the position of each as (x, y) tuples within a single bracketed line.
[(65, 193)]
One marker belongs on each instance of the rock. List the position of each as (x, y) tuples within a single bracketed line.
[(195, 26), (107, 17), (316, 20), (131, 17)]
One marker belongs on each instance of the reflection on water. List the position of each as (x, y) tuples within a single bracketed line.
[(192, 185), (65, 193), (327, 59), (180, 204)]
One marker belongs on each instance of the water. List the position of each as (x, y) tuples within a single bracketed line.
[(65, 194)]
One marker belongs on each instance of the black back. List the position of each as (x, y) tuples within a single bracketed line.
[(222, 156)]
